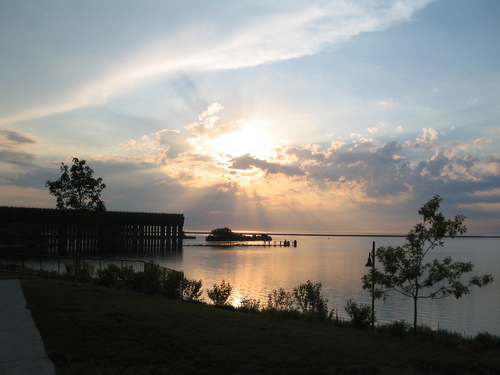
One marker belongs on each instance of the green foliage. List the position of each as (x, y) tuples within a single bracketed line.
[(192, 289), (151, 281), (309, 301), (84, 271), (486, 341), (220, 293), (173, 284), (304, 301), (280, 300), (112, 331), (126, 275), (406, 271), (177, 286), (77, 189), (361, 315), (109, 275), (250, 305), (397, 328)]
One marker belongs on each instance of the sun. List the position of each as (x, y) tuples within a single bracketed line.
[(248, 139)]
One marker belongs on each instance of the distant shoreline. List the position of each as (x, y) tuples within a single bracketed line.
[(376, 235)]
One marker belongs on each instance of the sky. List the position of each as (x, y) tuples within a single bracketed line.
[(298, 116)]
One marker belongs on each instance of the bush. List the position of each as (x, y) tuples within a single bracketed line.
[(109, 275), (173, 284), (280, 300), (250, 305), (138, 281), (398, 328), (192, 289), (152, 278), (308, 299), (485, 341), (361, 315), (126, 275), (220, 293), (85, 271)]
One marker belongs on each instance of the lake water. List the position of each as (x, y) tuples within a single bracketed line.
[(339, 263)]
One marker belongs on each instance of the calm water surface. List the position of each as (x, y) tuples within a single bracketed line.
[(339, 263)]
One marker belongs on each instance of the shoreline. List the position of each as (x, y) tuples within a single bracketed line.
[(377, 235)]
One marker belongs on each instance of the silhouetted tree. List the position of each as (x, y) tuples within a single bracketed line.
[(77, 189), (405, 270)]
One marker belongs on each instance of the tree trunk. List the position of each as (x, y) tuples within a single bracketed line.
[(415, 299)]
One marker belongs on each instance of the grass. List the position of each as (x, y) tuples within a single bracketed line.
[(95, 330)]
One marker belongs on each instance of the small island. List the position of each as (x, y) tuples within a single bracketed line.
[(226, 234)]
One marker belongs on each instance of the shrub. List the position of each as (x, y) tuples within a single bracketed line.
[(109, 275), (309, 300), (138, 281), (250, 305), (398, 328), (280, 300), (192, 289), (85, 271), (126, 275), (220, 293), (485, 341), (152, 278), (173, 284), (360, 314)]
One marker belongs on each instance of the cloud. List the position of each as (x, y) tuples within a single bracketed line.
[(20, 158), (387, 103), (428, 138), (11, 152), (249, 162), (173, 143), (366, 169), (235, 39), (16, 137)]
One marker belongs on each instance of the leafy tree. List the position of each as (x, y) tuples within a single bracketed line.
[(77, 189), (406, 270)]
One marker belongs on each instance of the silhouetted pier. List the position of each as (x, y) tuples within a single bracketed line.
[(66, 232)]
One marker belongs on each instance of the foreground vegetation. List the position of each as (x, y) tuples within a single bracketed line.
[(91, 329)]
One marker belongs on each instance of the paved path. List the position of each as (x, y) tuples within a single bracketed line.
[(21, 347)]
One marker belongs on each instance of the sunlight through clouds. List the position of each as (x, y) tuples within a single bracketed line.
[(347, 114)]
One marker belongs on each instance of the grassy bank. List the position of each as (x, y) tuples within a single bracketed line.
[(96, 330)]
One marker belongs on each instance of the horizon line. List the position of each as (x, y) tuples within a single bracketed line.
[(486, 235)]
